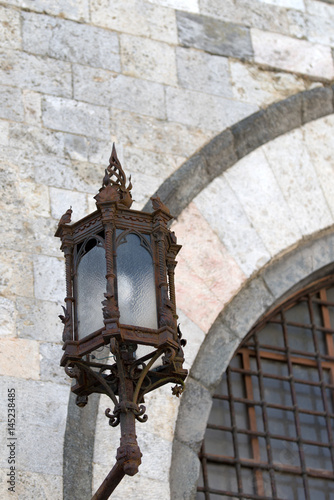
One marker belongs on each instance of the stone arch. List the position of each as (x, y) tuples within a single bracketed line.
[(222, 152), (275, 282)]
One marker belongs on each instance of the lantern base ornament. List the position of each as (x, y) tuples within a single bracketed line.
[(120, 333)]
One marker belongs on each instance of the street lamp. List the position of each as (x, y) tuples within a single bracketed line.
[(120, 325)]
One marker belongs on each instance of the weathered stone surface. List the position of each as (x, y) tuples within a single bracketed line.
[(257, 189), (287, 53), (136, 17), (75, 9), (316, 136), (69, 41), (32, 103), (194, 336), (203, 72), (137, 161), (248, 13), (11, 107), (50, 356), (298, 181), (35, 198), (265, 125), (195, 407), (49, 274), (10, 30), (123, 92), (289, 4), (206, 255), (16, 277), (62, 199), (39, 486), (316, 103), (76, 147), (184, 472), (220, 206), (204, 111), (75, 117), (255, 298), (148, 59), (20, 353), (7, 318), (32, 141), (35, 73), (31, 322), (156, 135), (213, 36), (216, 351), (187, 5), (283, 275), (250, 84), (4, 133)]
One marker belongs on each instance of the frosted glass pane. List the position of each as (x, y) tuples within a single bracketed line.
[(91, 287), (136, 284)]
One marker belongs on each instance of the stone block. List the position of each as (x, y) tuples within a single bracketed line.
[(203, 72), (76, 147), (322, 251), (4, 133), (195, 409), (144, 186), (136, 17), (36, 73), (31, 322), (204, 111), (289, 4), (122, 92), (77, 10), (187, 5), (50, 356), (39, 486), (69, 41), (63, 173), (75, 117), (248, 13), (157, 135), (148, 59), (35, 198), (7, 318), (316, 103), (61, 199), (19, 357), (10, 29), (11, 106), (49, 274), (32, 141), (291, 163), (289, 54), (221, 207), (263, 202), (184, 472), (316, 134), (255, 298), (213, 36), (138, 161), (32, 102), (216, 352), (254, 85), (194, 336), (265, 125), (298, 21), (16, 276)]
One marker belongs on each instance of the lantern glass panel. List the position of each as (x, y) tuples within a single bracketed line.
[(91, 286), (136, 283)]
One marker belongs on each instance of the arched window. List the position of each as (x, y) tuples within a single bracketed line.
[(271, 428)]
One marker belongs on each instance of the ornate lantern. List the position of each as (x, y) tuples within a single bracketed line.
[(120, 325)]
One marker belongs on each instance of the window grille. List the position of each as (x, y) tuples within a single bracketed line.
[(271, 428)]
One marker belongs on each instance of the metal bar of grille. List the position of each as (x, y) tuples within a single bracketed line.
[(237, 495), (234, 432), (204, 472)]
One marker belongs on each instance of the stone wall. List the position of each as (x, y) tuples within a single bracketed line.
[(161, 78)]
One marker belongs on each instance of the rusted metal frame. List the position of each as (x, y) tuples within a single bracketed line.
[(235, 495), (274, 406), (108, 391), (322, 383), (204, 472), (328, 336), (143, 375), (278, 467), (252, 423), (295, 409), (262, 434), (265, 419), (283, 378), (234, 432)]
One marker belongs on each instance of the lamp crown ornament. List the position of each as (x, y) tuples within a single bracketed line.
[(121, 336)]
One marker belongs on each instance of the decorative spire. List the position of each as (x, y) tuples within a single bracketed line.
[(114, 183)]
